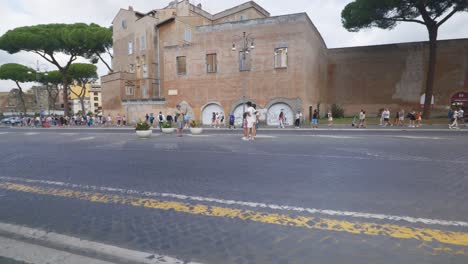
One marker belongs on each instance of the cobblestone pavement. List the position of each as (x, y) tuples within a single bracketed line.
[(316, 197)]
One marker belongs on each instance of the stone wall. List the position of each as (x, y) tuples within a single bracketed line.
[(394, 75)]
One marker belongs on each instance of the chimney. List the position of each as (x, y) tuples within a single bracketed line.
[(130, 8), (199, 6)]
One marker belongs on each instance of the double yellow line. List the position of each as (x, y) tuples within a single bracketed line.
[(307, 222)]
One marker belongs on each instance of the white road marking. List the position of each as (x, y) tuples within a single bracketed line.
[(334, 137), (264, 136), (409, 219), (31, 133), (3, 133), (415, 137), (84, 139), (68, 134)]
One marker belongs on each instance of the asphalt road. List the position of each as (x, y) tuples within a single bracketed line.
[(295, 197)]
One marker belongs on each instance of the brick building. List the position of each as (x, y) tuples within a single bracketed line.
[(182, 54)]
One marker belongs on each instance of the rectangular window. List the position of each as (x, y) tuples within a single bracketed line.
[(142, 43), (281, 58), (181, 65), (131, 68), (96, 104), (211, 63), (145, 71), (243, 17), (124, 24), (129, 90), (244, 61), (130, 48), (188, 35), (96, 98), (144, 92)]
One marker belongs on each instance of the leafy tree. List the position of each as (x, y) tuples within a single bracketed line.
[(83, 74), (386, 14), (103, 44), (49, 40), (52, 81), (19, 74)]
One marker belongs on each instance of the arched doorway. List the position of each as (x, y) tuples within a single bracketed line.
[(208, 111), (274, 112)]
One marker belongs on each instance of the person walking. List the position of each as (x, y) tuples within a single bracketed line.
[(418, 119), (232, 120), (151, 119), (281, 119), (386, 117), (160, 120), (124, 120), (297, 121), (109, 120), (330, 118), (314, 120), (454, 124), (119, 119), (461, 115), (179, 116), (362, 119), (251, 120)]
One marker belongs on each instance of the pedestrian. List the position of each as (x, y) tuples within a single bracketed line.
[(151, 119), (362, 119), (461, 115), (297, 122), (245, 126), (147, 117), (119, 119), (418, 118), (257, 119), (454, 120), (386, 117), (396, 122), (187, 120), (179, 117), (222, 119), (109, 120), (124, 120), (314, 120), (232, 120), (381, 113), (213, 120), (160, 120), (169, 119), (330, 118), (281, 119), (251, 120), (412, 118)]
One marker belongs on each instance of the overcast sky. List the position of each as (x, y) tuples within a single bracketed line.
[(324, 13)]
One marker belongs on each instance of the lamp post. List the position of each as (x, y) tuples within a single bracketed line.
[(40, 68), (244, 50)]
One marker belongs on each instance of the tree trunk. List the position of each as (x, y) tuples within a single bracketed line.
[(65, 96), (431, 71), (21, 96), (105, 63), (82, 106)]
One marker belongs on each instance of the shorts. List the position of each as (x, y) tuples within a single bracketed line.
[(231, 123), (180, 124), (386, 119), (314, 121), (250, 124)]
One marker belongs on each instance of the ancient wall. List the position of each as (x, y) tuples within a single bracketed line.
[(394, 75)]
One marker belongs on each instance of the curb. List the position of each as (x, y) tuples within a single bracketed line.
[(84, 247)]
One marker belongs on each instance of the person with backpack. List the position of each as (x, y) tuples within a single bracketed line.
[(151, 119), (160, 120), (232, 119)]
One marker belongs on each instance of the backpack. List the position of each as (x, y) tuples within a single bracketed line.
[(160, 118)]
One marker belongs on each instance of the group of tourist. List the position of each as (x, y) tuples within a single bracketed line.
[(74, 120)]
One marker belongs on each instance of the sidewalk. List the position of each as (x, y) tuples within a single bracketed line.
[(373, 128)]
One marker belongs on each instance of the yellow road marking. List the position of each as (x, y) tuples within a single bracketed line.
[(308, 222)]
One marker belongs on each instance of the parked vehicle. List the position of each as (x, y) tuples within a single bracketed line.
[(11, 121)]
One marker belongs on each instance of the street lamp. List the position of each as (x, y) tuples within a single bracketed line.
[(244, 50), (40, 69)]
